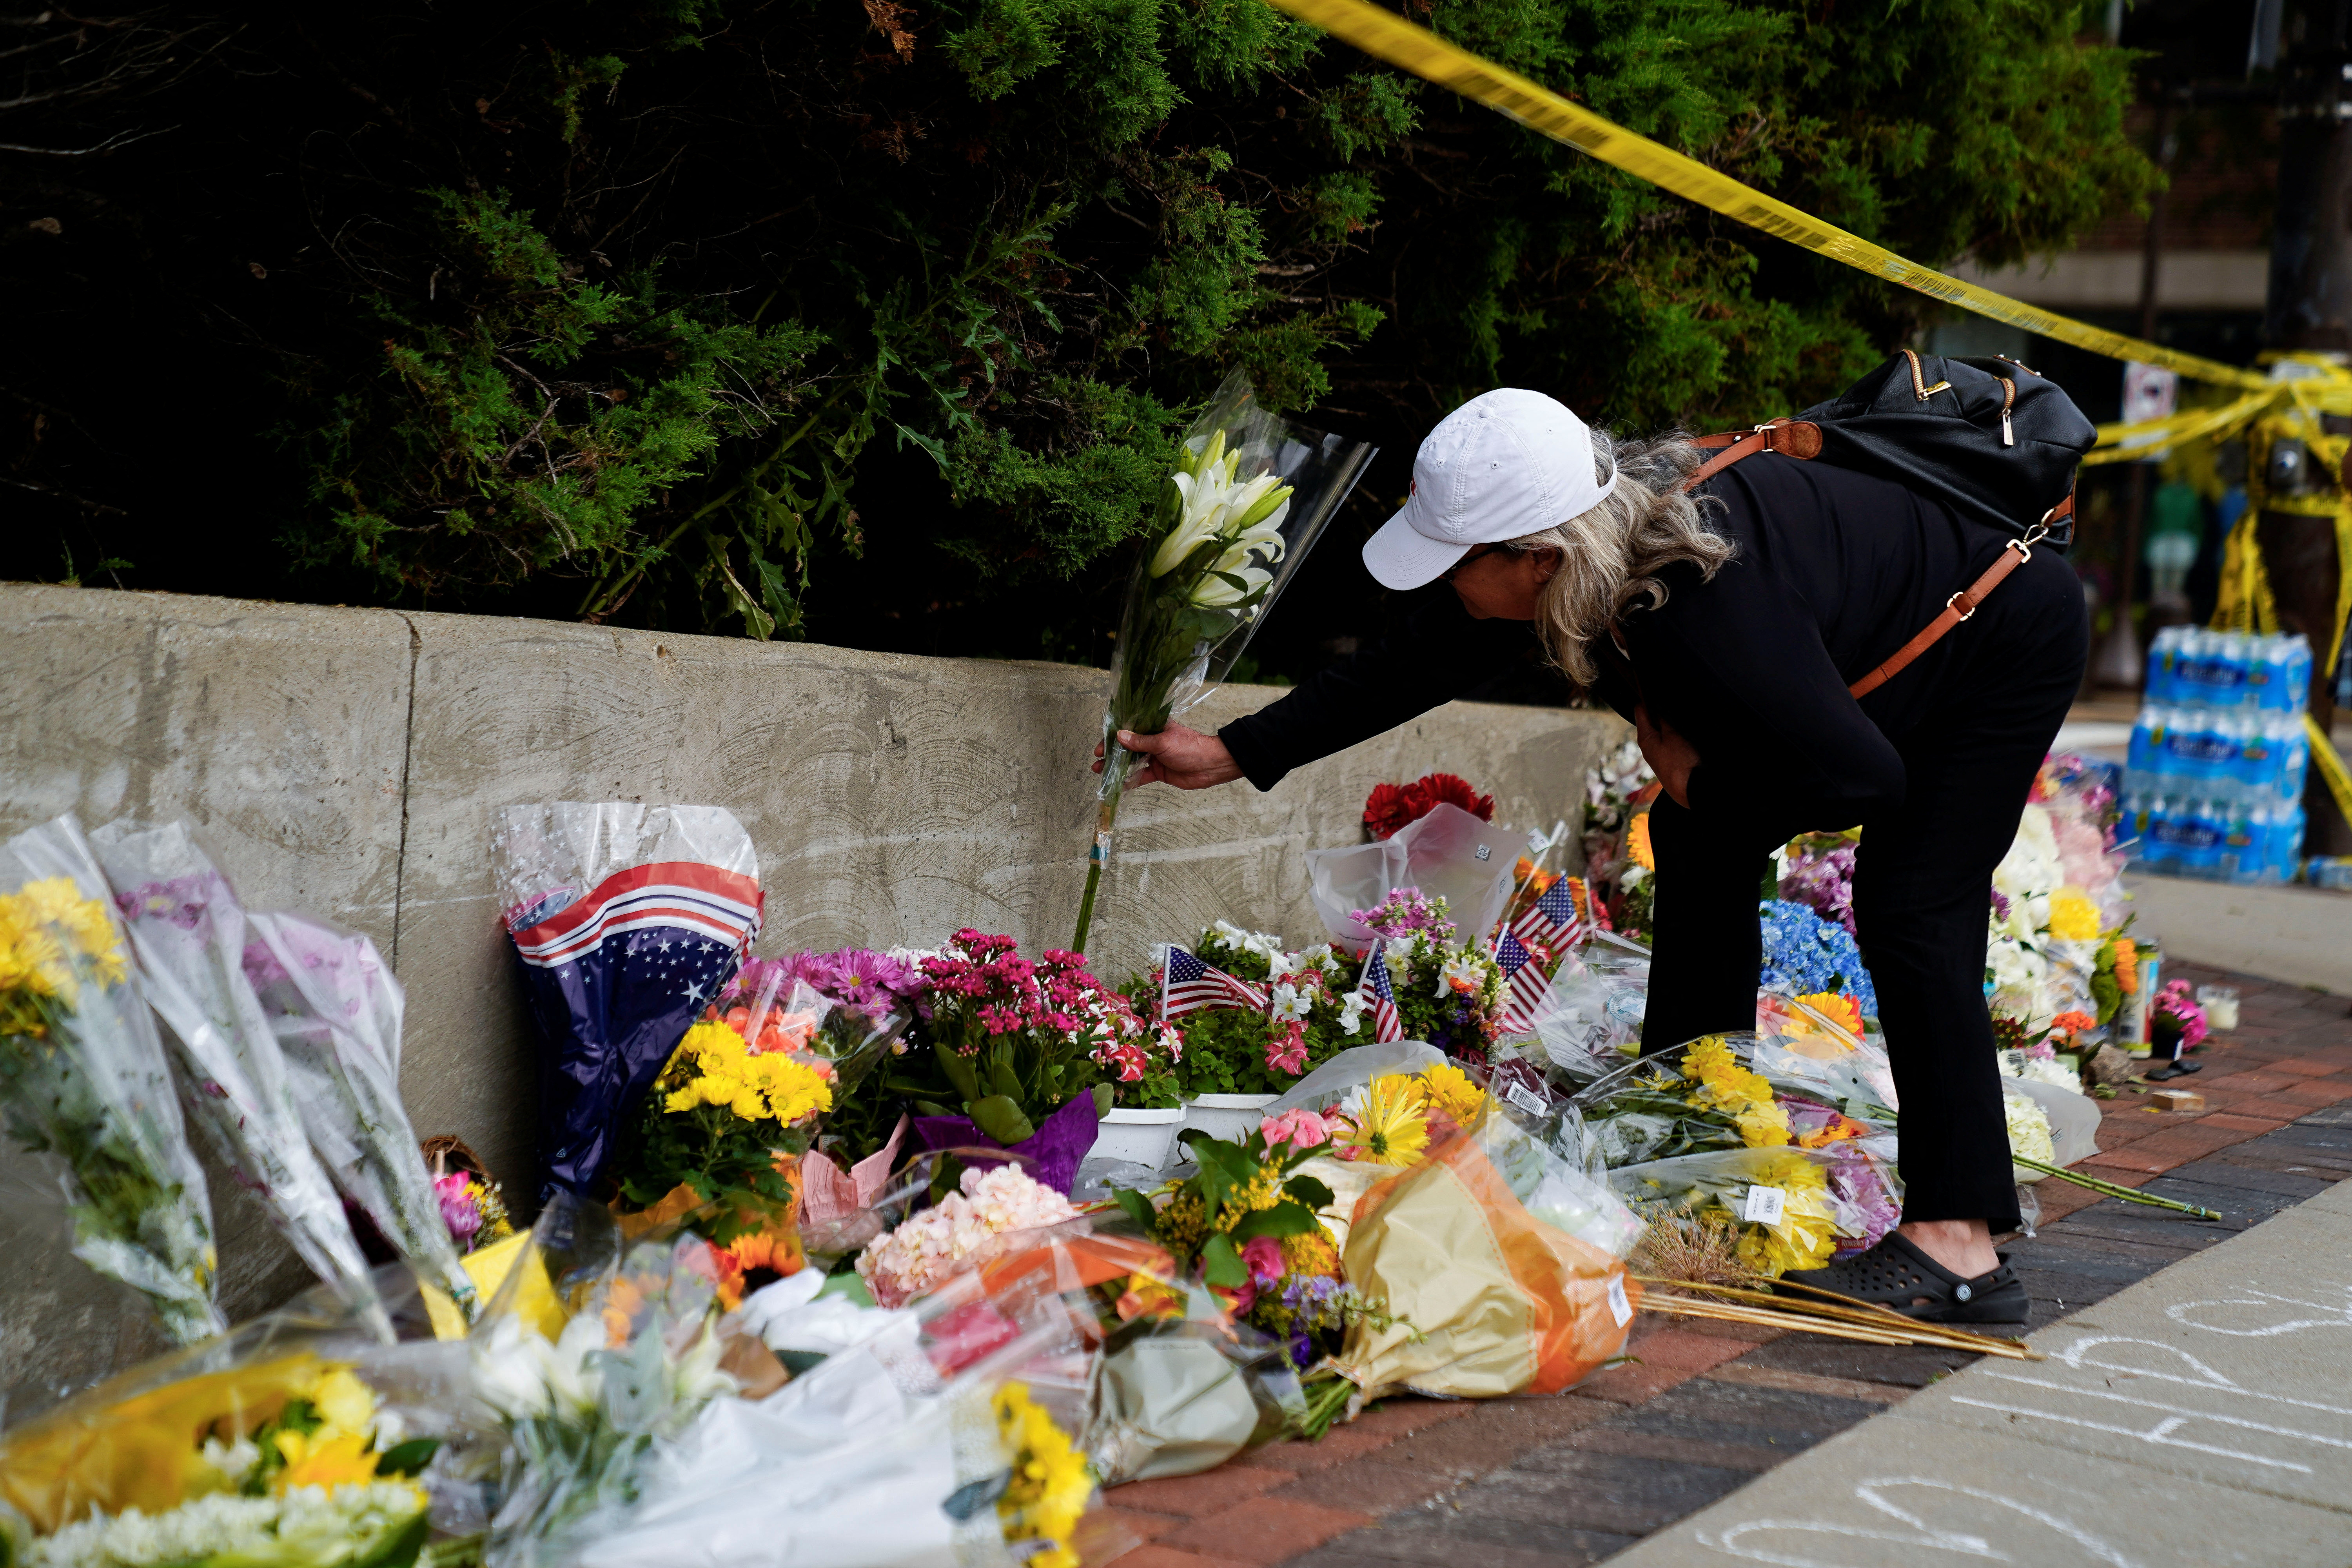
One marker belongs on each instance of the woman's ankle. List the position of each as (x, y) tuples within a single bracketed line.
[(1962, 1246)]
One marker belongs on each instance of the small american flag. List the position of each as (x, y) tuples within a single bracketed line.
[(1526, 989), (1192, 985), (1386, 1024), (1550, 925)]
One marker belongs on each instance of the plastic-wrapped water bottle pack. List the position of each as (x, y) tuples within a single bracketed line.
[(2213, 786)]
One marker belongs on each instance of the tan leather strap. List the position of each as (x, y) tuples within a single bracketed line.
[(1791, 437), (1956, 608), (1799, 438)]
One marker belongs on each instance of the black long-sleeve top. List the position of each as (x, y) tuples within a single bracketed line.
[(1834, 570)]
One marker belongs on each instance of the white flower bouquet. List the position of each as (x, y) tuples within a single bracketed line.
[(189, 934), (1245, 504)]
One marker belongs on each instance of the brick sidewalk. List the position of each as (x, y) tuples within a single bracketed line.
[(1546, 1483)]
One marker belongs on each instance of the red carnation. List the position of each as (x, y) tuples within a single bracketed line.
[(1392, 808)]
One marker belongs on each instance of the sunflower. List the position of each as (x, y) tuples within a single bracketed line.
[(1389, 1126)]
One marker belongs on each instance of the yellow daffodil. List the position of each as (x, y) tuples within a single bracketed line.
[(1743, 1095)]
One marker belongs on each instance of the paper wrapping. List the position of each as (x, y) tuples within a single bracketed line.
[(1170, 1401), (1505, 1303)]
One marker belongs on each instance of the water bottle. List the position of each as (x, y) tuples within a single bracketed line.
[(2160, 842), (2258, 758), (2140, 759), (2200, 838), (2294, 755), (2262, 829), (2295, 669), (2228, 678), (2286, 842), (2263, 673), (2163, 658), (2193, 745), (2238, 854)]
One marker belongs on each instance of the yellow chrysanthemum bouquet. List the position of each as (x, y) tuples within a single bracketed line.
[(718, 1138), (83, 1081), (1692, 1132)]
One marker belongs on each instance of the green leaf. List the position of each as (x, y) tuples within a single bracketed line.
[(1136, 1206), (1285, 1218), (1308, 1190), (957, 1068), (1102, 1100), (1221, 1263), (1000, 1074), (407, 1458), (1000, 1117)]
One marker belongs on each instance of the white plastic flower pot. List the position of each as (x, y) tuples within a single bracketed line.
[(1144, 1137), (1228, 1118)]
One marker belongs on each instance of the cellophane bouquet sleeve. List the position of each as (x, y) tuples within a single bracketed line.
[(1247, 499), (301, 1439), (626, 920), (84, 1081), (335, 1009), (188, 933)]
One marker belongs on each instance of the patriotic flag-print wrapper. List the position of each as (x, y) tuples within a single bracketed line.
[(626, 920)]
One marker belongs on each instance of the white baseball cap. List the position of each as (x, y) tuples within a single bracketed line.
[(1506, 464)]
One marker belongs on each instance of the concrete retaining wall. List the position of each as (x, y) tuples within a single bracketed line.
[(346, 762)]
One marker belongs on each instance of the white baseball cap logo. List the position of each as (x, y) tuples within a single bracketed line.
[(1506, 464)]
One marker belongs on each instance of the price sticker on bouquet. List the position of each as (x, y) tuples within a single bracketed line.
[(1764, 1205), (1619, 1307), (1526, 1099)]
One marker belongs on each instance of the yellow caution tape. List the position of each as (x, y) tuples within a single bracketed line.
[(2330, 764), (2149, 439), (1387, 37)]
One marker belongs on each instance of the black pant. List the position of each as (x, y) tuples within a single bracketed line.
[(1922, 894)]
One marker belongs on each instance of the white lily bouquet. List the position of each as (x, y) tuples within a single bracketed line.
[(1242, 506)]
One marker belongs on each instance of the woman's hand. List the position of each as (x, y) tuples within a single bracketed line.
[(1179, 756), (1670, 756)]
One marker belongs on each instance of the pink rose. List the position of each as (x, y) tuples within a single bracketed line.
[(1262, 1255)]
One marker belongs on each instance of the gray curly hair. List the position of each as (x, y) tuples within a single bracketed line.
[(1609, 555)]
